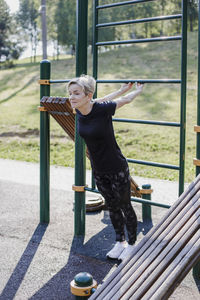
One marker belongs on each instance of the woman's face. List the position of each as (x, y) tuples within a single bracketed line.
[(77, 96)]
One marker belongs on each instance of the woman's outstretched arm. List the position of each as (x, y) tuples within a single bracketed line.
[(123, 89), (130, 96)]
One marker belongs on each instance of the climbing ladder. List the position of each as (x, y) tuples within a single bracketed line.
[(181, 81), (81, 68)]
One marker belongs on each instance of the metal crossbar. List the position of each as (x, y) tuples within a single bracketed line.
[(176, 81), (144, 20), (122, 3), (137, 41), (153, 164), (59, 81), (182, 37), (147, 122), (135, 199)]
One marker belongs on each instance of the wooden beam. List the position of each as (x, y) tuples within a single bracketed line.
[(197, 128), (42, 108)]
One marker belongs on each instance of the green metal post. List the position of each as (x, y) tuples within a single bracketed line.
[(146, 208), (183, 96), (95, 38), (45, 71), (95, 56), (198, 103), (196, 268), (81, 68)]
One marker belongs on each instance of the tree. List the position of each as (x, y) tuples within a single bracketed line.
[(61, 23), (27, 17), (193, 13), (4, 29), (10, 47)]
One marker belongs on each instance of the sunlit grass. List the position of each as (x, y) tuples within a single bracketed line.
[(20, 119)]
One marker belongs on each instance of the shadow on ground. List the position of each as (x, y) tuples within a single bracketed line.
[(88, 256), (22, 266)]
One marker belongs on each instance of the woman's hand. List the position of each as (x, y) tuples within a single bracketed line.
[(126, 87), (139, 86), (130, 96)]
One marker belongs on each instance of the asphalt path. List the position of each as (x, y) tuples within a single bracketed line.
[(38, 261)]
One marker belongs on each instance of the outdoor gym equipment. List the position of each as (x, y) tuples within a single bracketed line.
[(60, 109), (81, 68), (161, 260)]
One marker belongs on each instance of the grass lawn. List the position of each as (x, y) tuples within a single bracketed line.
[(19, 98)]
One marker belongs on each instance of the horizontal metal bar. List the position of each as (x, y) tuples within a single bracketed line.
[(135, 199), (144, 20), (125, 81), (122, 3), (59, 81), (148, 122), (142, 201), (153, 164), (137, 41), (139, 80)]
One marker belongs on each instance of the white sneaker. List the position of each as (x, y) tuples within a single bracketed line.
[(115, 252), (127, 252)]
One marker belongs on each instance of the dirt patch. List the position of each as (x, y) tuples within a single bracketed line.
[(20, 134), (28, 133)]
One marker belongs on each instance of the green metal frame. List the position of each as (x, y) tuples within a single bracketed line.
[(80, 169), (81, 67), (196, 268), (45, 73), (181, 81)]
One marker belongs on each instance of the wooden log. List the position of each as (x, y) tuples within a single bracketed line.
[(51, 106), (66, 123), (52, 103), (166, 257), (137, 274), (71, 119), (145, 243), (184, 262), (182, 274)]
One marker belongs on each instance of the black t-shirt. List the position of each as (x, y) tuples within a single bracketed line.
[(96, 129)]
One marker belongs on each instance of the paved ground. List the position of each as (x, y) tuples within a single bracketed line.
[(39, 261)]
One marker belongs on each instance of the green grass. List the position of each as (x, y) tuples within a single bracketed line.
[(19, 98)]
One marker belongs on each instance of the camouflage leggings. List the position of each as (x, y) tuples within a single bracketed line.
[(115, 188)]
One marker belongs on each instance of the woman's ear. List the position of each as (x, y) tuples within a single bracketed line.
[(90, 95)]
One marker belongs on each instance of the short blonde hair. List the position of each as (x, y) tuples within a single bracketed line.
[(86, 82)]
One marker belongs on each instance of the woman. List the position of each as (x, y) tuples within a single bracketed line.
[(109, 166)]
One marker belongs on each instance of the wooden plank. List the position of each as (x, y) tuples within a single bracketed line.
[(184, 262), (137, 261), (162, 262), (53, 103), (60, 119), (194, 260), (196, 162), (144, 244), (67, 122), (150, 259), (71, 119), (197, 128)]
